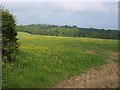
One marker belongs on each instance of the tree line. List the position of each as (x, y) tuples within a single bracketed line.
[(69, 31)]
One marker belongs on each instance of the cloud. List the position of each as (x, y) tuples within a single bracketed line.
[(63, 7), (87, 7), (80, 13), (60, 1), (80, 7)]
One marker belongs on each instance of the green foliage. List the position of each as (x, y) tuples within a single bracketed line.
[(9, 33), (45, 61), (69, 31)]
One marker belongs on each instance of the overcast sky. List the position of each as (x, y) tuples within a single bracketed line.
[(82, 14)]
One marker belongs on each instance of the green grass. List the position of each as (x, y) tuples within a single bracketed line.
[(44, 61)]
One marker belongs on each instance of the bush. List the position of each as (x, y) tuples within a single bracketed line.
[(9, 33)]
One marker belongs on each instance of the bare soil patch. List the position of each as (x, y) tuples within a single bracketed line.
[(105, 77)]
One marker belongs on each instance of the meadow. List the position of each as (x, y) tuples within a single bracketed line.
[(44, 61)]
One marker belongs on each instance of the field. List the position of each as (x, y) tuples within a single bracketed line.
[(44, 61)]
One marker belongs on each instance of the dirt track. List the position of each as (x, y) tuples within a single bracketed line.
[(105, 77)]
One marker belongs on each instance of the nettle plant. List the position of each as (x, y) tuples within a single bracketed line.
[(10, 43)]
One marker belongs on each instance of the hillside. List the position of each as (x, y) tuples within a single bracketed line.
[(69, 31), (45, 61)]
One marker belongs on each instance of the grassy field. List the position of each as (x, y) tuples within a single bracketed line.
[(44, 61)]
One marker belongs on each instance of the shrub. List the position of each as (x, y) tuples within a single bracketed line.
[(9, 33)]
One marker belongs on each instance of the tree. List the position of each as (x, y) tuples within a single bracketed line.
[(9, 41)]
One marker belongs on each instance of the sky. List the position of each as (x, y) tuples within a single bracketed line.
[(94, 14)]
